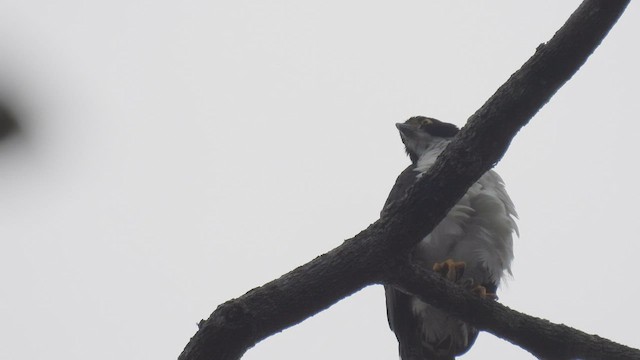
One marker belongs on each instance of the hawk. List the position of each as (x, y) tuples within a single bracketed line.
[(472, 245)]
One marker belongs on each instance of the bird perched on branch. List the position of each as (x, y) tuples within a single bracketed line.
[(472, 245)]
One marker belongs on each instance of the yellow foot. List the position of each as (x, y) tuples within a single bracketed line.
[(450, 269), (482, 292)]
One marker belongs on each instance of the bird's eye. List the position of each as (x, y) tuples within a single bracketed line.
[(425, 123)]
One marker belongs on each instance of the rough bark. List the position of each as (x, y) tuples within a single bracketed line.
[(371, 256)]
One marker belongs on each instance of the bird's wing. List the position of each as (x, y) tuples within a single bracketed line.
[(399, 313), (404, 323), (404, 181)]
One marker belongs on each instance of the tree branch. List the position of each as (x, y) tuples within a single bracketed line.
[(239, 324), (540, 337)]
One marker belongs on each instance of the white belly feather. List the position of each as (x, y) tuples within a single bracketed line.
[(478, 230)]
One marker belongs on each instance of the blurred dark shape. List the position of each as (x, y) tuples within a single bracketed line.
[(8, 121)]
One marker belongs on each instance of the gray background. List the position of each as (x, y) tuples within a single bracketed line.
[(176, 155)]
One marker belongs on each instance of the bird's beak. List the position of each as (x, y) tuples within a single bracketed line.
[(406, 130)]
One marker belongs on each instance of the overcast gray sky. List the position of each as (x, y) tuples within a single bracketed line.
[(177, 155)]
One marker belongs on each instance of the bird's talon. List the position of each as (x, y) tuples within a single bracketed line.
[(450, 269), (483, 293)]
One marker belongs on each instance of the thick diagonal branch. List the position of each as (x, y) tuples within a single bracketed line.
[(240, 323)]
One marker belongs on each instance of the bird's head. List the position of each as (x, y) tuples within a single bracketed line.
[(420, 133)]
